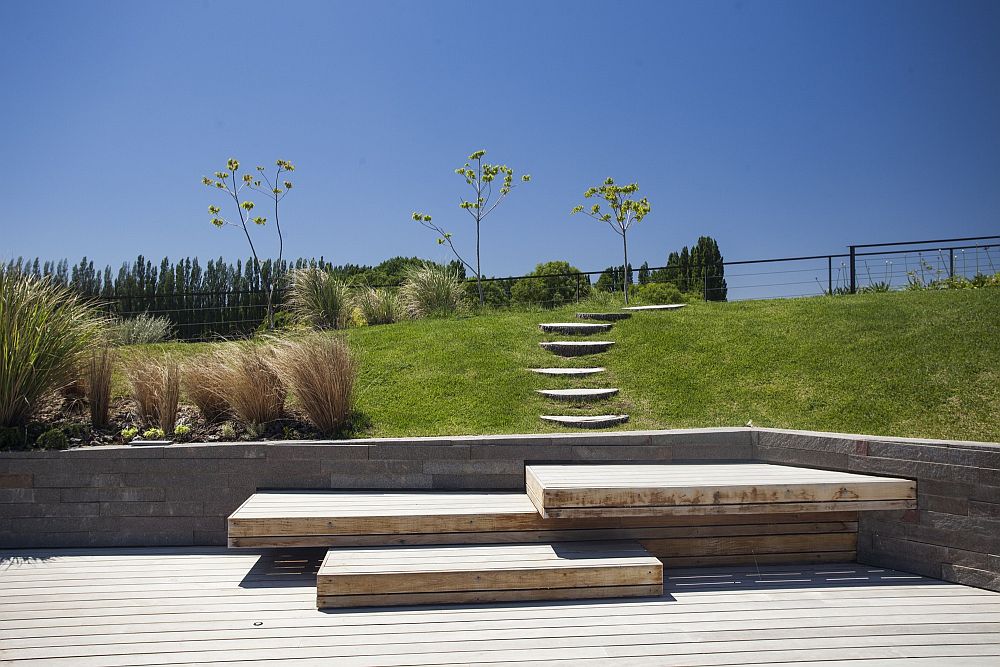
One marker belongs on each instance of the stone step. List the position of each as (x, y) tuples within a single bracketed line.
[(408, 575), (662, 306), (574, 327), (570, 348), (606, 317), (569, 372), (586, 421), (578, 395)]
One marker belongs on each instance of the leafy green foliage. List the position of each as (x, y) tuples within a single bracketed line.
[(557, 284), (621, 213), (45, 333), (699, 270), (142, 329), (154, 433), (54, 438), (12, 438), (657, 293), (130, 433)]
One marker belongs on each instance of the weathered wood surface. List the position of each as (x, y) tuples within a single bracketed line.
[(356, 577), (213, 607), (576, 490), (348, 519)]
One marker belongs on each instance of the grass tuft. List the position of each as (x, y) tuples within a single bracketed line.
[(251, 385), (99, 376), (319, 299), (432, 291), (320, 373), (155, 388)]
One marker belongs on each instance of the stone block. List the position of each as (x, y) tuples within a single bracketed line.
[(968, 576), (984, 510), (974, 458), (16, 481), (419, 452), (803, 457), (814, 442), (377, 482), (986, 494), (168, 466), (634, 453), (210, 538), (479, 482), (936, 487), (133, 494), (943, 504), (215, 451), (17, 495), (158, 509), (73, 480), (46, 510), (318, 451), (478, 467), (522, 452), (912, 469), (87, 494)]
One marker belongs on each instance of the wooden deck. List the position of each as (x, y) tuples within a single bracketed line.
[(581, 491), (216, 607), (386, 576)]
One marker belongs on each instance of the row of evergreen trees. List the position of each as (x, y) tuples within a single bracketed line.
[(699, 269)]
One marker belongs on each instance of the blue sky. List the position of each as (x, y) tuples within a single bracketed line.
[(779, 128)]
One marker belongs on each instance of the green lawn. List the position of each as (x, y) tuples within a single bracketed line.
[(922, 364)]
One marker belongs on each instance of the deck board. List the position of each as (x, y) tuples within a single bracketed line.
[(780, 614), (635, 490)]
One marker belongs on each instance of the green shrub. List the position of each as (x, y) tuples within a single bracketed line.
[(12, 438), (378, 306), (141, 330), (154, 434), (432, 291), (318, 299), (551, 289), (54, 438), (129, 433), (656, 293), (45, 333)]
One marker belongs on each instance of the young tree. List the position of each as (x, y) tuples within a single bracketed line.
[(480, 176), (275, 190), (624, 212)]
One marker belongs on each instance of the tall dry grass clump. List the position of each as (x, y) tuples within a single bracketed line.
[(156, 391), (379, 306), (98, 383), (432, 291), (45, 332), (319, 299), (320, 372), (251, 384), (203, 381)]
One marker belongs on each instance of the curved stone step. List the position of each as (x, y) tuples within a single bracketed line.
[(586, 421), (574, 348), (574, 327), (606, 317), (568, 371), (578, 395), (661, 306)]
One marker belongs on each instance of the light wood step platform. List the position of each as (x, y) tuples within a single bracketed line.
[(279, 519), (689, 489), (486, 573)]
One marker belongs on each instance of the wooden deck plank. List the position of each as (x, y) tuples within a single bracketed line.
[(808, 614)]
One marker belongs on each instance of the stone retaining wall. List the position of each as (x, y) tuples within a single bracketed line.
[(182, 494)]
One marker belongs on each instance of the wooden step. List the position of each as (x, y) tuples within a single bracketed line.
[(574, 327), (580, 490), (604, 317), (486, 573), (577, 348), (578, 395)]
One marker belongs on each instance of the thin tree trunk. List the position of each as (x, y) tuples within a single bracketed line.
[(625, 268), (479, 270)]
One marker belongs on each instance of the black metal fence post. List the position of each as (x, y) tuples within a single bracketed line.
[(829, 275), (951, 262), (854, 277)]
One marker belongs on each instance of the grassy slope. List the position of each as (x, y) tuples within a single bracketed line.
[(908, 364)]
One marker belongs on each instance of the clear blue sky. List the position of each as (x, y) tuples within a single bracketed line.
[(776, 127)]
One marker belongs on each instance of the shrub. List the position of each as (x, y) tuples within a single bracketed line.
[(228, 431), (378, 306), (129, 433), (657, 293), (432, 291), (319, 299), (562, 284), (154, 434), (99, 372), (320, 373), (12, 438), (54, 438), (155, 386), (203, 382), (141, 330), (251, 385), (45, 331)]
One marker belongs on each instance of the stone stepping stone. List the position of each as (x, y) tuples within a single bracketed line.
[(574, 327), (663, 306), (586, 421), (572, 348), (606, 317), (568, 371), (578, 395)]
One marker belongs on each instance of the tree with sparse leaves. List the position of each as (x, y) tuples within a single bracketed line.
[(275, 190), (480, 176), (624, 212)]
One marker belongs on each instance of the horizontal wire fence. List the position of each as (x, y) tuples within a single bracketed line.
[(212, 315)]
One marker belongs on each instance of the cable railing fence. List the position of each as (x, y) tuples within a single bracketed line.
[(879, 267)]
